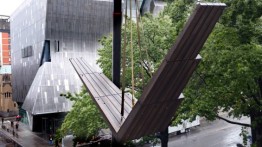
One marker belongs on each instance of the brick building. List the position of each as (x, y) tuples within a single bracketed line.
[(7, 106)]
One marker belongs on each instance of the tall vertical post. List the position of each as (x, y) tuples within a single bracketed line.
[(117, 22)]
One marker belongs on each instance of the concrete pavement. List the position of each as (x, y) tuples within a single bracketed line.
[(23, 136)]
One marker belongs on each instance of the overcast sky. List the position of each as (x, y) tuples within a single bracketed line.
[(7, 7)]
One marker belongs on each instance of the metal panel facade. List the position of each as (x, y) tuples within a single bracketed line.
[(28, 29), (72, 29)]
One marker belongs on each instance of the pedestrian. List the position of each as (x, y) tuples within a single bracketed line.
[(16, 125), (50, 139), (18, 118), (2, 120), (12, 124)]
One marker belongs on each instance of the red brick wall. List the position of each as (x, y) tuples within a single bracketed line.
[(5, 46)]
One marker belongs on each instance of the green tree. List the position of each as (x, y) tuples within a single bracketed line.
[(84, 120), (229, 77), (157, 35), (156, 39)]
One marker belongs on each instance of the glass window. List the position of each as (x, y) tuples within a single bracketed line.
[(27, 51)]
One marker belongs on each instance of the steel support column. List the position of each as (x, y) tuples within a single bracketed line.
[(117, 22)]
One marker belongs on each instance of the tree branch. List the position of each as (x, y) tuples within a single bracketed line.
[(146, 69), (152, 58), (233, 122)]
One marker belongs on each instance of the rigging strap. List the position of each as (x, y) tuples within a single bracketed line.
[(124, 67), (132, 55)]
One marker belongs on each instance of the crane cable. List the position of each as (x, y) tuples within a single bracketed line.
[(146, 49), (139, 43), (132, 55), (124, 66)]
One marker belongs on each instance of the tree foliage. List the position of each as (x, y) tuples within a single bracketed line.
[(229, 77), (84, 120), (157, 34)]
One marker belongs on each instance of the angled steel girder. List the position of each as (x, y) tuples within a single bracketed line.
[(161, 97)]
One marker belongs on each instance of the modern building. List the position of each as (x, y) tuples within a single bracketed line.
[(45, 34)]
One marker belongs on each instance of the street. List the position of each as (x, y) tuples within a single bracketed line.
[(210, 134)]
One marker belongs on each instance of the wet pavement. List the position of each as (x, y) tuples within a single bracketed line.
[(210, 134), (23, 136)]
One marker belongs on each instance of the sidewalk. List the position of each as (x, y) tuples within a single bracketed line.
[(23, 135)]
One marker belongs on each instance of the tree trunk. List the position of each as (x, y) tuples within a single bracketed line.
[(115, 143), (256, 129), (164, 137)]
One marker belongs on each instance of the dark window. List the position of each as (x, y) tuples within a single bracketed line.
[(56, 46), (14, 104), (46, 57), (27, 51), (6, 78)]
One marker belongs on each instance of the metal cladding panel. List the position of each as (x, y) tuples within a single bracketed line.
[(161, 98), (51, 80), (73, 29), (104, 93), (27, 26)]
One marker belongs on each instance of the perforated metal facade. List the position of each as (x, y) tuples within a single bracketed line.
[(56, 30)]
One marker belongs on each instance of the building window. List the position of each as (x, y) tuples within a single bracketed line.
[(6, 78), (46, 57), (27, 52), (56, 45), (7, 94), (14, 104)]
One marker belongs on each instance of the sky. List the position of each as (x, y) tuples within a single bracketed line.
[(7, 7)]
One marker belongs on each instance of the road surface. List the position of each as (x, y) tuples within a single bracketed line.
[(210, 134)]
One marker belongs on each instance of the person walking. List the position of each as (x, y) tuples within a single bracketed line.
[(16, 126), (50, 139)]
